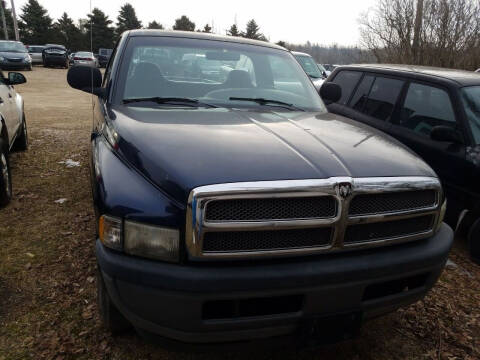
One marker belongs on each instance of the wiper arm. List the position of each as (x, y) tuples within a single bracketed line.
[(168, 100), (263, 101)]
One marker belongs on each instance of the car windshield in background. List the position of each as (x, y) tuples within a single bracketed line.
[(11, 46), (310, 66), (223, 74), (471, 103)]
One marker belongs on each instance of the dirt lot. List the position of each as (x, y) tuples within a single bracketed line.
[(47, 263)]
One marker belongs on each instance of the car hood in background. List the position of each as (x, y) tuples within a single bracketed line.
[(180, 149), (13, 55)]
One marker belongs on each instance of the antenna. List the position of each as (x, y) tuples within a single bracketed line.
[(91, 71)]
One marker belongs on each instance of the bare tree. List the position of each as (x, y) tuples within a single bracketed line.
[(426, 32)]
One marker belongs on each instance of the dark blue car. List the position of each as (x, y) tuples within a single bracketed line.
[(232, 206)]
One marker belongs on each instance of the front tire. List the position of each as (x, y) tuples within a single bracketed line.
[(474, 241), (5, 176), (111, 318), (21, 143)]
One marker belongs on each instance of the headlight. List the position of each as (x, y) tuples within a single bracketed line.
[(151, 241), (441, 216), (110, 232), (28, 58)]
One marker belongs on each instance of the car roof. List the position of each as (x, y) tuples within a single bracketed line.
[(461, 77), (298, 53), (203, 36)]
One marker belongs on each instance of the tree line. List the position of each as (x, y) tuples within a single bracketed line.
[(443, 33), (36, 27)]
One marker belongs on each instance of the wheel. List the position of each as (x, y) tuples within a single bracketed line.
[(5, 176), (21, 143), (474, 241), (111, 318)]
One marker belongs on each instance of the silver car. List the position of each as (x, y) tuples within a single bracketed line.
[(85, 58), (35, 52), (310, 67)]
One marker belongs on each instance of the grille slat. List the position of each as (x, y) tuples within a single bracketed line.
[(236, 241), (389, 229), (367, 204), (258, 209)]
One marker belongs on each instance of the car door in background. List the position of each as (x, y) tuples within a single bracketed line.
[(424, 107), (7, 108)]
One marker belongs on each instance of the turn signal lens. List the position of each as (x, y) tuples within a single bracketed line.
[(110, 232), (441, 216)]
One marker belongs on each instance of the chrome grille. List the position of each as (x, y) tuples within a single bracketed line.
[(388, 229), (271, 209), (270, 218), (225, 241), (366, 204)]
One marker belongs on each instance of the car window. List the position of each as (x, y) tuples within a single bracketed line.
[(347, 81), (471, 104), (360, 98), (426, 107), (214, 72), (309, 65), (382, 98)]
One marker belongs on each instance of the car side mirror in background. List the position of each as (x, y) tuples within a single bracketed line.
[(15, 78), (86, 78), (446, 133), (330, 92)]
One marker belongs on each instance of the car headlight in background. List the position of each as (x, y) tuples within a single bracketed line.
[(110, 232), (151, 241)]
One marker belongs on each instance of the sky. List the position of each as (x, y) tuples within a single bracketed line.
[(320, 21)]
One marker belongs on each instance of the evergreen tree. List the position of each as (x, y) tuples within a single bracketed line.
[(68, 34), (233, 31), (103, 32), (282, 43), (127, 19), (207, 29), (253, 31), (155, 25), (35, 25), (184, 23)]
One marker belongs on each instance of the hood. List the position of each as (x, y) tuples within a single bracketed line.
[(13, 55), (180, 149)]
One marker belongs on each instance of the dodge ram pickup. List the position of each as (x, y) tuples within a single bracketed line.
[(232, 206)]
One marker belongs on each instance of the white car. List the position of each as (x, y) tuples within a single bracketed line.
[(13, 130), (310, 66), (85, 58)]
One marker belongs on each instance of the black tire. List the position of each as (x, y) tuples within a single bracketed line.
[(5, 176), (111, 318), (21, 143), (474, 242)]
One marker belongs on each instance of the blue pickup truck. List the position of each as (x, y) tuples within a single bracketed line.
[(232, 206)]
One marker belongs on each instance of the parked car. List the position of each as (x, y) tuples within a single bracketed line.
[(55, 55), (323, 71), (238, 210), (70, 58), (478, 70), (13, 130), (310, 66), (84, 58), (104, 56), (35, 52), (435, 112), (14, 56)]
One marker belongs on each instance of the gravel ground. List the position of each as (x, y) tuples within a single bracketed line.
[(47, 262)]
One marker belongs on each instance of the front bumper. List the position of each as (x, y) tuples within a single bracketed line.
[(15, 65), (176, 301)]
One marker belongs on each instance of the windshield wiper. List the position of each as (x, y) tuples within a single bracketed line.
[(169, 100), (263, 101)]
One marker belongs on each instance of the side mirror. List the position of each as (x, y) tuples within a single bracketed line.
[(446, 133), (331, 92), (86, 78), (15, 78)]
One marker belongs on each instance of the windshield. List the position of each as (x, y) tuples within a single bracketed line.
[(12, 46), (471, 104), (214, 72), (309, 65)]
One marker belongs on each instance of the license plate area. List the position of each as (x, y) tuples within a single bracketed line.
[(324, 330)]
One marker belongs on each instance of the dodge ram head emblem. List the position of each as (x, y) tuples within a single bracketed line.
[(344, 189)]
